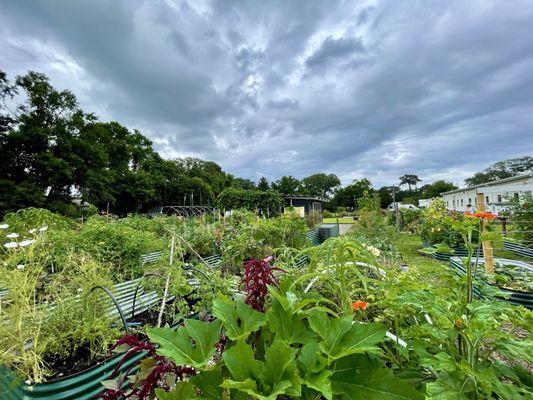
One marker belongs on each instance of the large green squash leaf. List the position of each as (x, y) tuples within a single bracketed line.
[(238, 318), (356, 377), (287, 323), (193, 344), (314, 373), (342, 337), (264, 380)]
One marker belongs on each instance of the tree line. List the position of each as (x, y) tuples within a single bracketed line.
[(53, 152)]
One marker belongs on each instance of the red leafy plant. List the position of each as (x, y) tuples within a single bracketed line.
[(258, 274), (155, 371)]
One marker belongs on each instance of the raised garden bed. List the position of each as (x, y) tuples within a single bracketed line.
[(433, 251), (517, 248), (514, 279)]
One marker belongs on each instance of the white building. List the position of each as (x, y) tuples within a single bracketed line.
[(424, 203), (497, 194)]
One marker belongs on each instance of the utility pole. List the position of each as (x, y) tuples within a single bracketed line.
[(396, 208)]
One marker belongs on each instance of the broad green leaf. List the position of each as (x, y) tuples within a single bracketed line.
[(249, 387), (262, 379), (182, 391), (287, 324), (209, 384), (240, 362), (320, 382), (356, 377), (193, 344), (342, 337), (238, 318), (445, 389), (278, 358), (313, 367), (310, 360)]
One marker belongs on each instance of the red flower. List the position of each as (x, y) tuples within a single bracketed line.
[(359, 305)]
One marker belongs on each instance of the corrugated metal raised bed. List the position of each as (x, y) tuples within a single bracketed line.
[(515, 297), (313, 236), (441, 255), (81, 386), (327, 231), (517, 248)]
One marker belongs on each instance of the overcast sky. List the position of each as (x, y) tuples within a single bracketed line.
[(371, 89)]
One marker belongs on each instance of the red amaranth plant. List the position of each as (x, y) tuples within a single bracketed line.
[(154, 379), (258, 274)]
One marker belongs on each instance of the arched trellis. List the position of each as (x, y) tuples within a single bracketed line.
[(187, 211)]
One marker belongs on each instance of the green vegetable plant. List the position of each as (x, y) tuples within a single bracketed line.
[(460, 346), (297, 349)]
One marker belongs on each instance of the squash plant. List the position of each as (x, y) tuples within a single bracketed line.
[(298, 349)]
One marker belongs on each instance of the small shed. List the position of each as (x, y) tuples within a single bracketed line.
[(308, 203)]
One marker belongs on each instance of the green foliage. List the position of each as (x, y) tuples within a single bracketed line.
[(502, 169), (348, 195), (244, 236), (31, 332), (436, 188), (193, 345), (321, 185), (437, 225), (262, 364), (52, 147), (266, 202), (240, 320), (409, 180), (521, 219), (288, 185), (372, 220)]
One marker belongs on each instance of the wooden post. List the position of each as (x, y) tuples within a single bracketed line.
[(488, 253)]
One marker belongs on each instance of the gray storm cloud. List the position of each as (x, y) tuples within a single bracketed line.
[(375, 89)]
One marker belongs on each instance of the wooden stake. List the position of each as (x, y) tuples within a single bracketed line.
[(488, 253)]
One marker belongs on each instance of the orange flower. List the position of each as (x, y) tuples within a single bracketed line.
[(480, 214), (359, 305)]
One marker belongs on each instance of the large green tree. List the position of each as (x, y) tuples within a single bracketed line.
[(502, 169), (409, 180), (287, 185), (321, 185), (348, 195), (52, 151), (436, 188)]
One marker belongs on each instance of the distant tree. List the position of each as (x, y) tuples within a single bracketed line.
[(321, 185), (348, 195), (436, 188), (263, 185), (409, 180), (287, 185), (245, 184), (385, 196), (52, 151), (502, 169)]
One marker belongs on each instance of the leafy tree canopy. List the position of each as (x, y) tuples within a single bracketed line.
[(321, 185), (436, 188), (409, 180), (502, 169), (288, 185)]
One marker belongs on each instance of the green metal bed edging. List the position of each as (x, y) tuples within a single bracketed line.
[(517, 248), (514, 297), (445, 256), (84, 385)]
